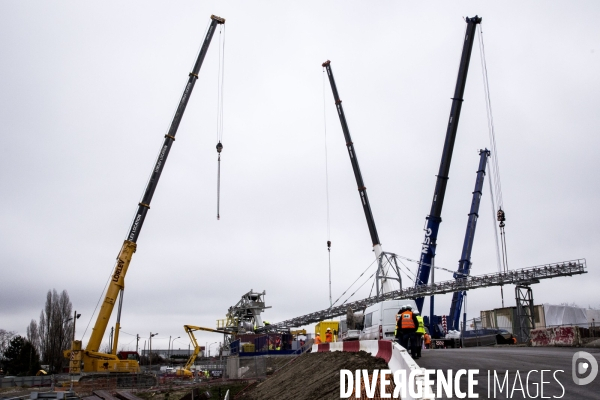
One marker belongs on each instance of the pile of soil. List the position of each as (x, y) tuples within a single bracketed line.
[(313, 376)]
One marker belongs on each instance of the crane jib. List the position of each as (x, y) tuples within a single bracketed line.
[(434, 218), (170, 137), (353, 157)]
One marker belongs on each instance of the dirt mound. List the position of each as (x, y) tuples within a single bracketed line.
[(313, 376)]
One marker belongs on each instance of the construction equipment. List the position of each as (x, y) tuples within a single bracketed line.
[(434, 218), (385, 260), (464, 265), (186, 371), (525, 276), (322, 327), (93, 360), (245, 316)]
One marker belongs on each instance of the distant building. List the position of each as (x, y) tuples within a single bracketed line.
[(545, 315)]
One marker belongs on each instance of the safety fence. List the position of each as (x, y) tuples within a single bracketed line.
[(29, 381)]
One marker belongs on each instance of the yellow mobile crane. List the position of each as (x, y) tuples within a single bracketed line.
[(187, 369), (91, 358)]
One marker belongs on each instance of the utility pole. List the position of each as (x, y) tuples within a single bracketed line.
[(137, 341)]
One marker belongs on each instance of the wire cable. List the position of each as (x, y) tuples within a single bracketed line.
[(220, 122), (494, 224), (491, 131), (349, 297), (99, 299), (353, 283), (327, 187)]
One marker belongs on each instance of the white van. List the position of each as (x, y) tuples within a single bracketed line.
[(380, 319)]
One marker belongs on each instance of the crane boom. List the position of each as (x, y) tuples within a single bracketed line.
[(362, 190), (434, 218), (186, 370), (464, 265), (117, 282)]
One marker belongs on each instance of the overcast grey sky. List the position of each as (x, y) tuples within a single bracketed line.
[(88, 89)]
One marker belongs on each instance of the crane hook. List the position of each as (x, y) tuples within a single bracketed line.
[(501, 217), (219, 149)]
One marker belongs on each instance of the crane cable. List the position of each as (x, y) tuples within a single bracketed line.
[(220, 81), (327, 189), (338, 299), (494, 167)]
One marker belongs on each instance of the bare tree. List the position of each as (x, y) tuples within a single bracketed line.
[(55, 329), (5, 338), (33, 335)]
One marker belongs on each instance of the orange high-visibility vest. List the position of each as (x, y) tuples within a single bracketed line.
[(329, 337), (407, 320), (427, 338), (318, 339)]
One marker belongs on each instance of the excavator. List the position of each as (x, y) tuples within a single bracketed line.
[(186, 371), (93, 363)]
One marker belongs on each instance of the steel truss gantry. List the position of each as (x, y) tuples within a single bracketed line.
[(520, 277)]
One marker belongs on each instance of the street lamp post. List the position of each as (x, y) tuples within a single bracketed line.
[(209, 347), (150, 347), (171, 346), (75, 317)]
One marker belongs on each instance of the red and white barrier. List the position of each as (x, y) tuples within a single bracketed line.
[(394, 355), (563, 336), (541, 337), (566, 336)]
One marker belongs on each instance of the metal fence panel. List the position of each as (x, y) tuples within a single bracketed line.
[(31, 381)]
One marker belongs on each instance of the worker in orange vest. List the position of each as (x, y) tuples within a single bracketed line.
[(405, 329), (328, 336), (318, 338), (427, 339)]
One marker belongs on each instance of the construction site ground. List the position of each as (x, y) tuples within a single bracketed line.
[(215, 391), (312, 376)]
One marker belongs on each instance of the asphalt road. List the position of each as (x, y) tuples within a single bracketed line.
[(524, 366)]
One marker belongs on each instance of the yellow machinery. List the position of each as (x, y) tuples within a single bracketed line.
[(189, 329), (92, 359), (321, 329)]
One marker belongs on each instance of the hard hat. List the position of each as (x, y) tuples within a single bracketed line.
[(408, 307), (328, 329), (416, 312), (402, 308), (318, 334)]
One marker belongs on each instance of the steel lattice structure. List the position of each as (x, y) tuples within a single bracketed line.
[(525, 276)]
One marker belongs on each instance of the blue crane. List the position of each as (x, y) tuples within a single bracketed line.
[(434, 218), (464, 265)]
